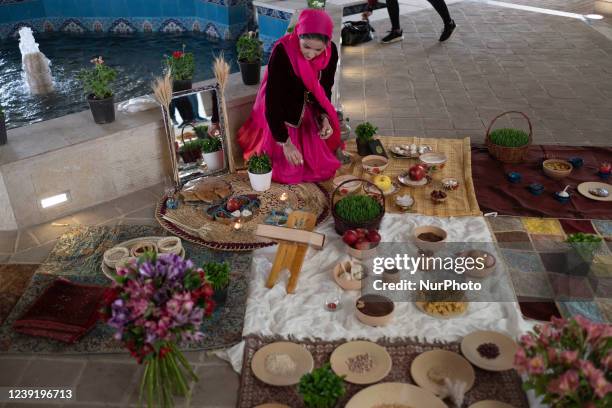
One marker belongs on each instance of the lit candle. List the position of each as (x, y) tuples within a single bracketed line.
[(237, 225), (284, 197)]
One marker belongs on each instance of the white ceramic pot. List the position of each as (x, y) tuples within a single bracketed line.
[(260, 182), (214, 160)]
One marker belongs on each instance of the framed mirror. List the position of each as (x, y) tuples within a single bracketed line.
[(194, 123)]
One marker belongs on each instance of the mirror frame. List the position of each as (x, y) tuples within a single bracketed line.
[(169, 127)]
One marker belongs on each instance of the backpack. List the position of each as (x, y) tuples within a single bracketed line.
[(356, 32)]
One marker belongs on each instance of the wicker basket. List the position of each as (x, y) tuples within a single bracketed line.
[(508, 154), (341, 225)]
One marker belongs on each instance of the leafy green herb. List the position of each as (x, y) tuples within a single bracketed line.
[(365, 131), (316, 4), (191, 146), (509, 137), (249, 47), (96, 81), (211, 145), (201, 131), (358, 208), (581, 237), (321, 388), (217, 274), (584, 244), (259, 164)]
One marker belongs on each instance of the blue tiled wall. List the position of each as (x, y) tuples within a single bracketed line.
[(222, 18), (272, 24)]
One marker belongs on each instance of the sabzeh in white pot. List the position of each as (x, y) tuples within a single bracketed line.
[(260, 172), (213, 153)]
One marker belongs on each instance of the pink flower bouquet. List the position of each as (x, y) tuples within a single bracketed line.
[(569, 363), (154, 303)]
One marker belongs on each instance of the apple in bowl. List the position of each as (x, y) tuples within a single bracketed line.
[(361, 242)]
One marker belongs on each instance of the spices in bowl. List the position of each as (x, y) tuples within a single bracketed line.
[(450, 184), (557, 169), (438, 196), (361, 363), (488, 350)]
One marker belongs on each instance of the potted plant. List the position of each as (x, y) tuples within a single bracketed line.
[(213, 153), (260, 172), (365, 132), (181, 66), (322, 388), (96, 82), (508, 145), (357, 211), (191, 151), (218, 275), (316, 4), (3, 136), (567, 363), (250, 52)]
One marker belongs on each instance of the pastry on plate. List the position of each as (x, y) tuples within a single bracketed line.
[(208, 190)]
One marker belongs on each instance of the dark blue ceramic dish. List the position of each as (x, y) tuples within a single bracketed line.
[(514, 177), (536, 189), (603, 176), (576, 162), (562, 199)]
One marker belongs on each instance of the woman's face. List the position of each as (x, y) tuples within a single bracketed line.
[(311, 48)]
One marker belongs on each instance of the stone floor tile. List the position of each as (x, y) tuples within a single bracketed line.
[(33, 255), (400, 124), (138, 221), (4, 258), (107, 382), (133, 201), (43, 372), (51, 230), (218, 387), (97, 215), (145, 212), (7, 241), (12, 369), (25, 241)]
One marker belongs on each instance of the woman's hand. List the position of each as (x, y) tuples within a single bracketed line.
[(365, 16), (214, 130), (292, 154), (326, 129)]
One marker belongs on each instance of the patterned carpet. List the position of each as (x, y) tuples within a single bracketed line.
[(78, 256), (14, 280), (541, 270)]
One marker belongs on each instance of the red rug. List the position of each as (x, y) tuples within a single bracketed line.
[(496, 194)]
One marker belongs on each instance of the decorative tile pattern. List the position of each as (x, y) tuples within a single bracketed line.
[(172, 26), (274, 13), (570, 287), (19, 26), (122, 26), (547, 243), (48, 27), (587, 309), (73, 26), (212, 31), (534, 285), (97, 27), (147, 27), (524, 261), (514, 240), (542, 226)]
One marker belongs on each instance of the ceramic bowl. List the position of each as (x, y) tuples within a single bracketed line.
[(374, 164), (514, 177), (557, 173), (536, 189), (428, 245), (450, 184), (577, 162), (562, 199), (433, 161), (374, 310), (603, 176), (345, 283), (404, 202), (361, 253), (439, 200), (349, 187)]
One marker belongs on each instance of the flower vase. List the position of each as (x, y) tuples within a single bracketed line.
[(167, 374)]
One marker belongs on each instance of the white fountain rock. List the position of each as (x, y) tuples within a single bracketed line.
[(35, 64)]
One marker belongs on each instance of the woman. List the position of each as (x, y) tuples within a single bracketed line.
[(293, 120)]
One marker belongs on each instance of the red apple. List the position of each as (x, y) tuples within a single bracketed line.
[(350, 237), (362, 244), (373, 236), (233, 204), (361, 233), (416, 172), (605, 168)]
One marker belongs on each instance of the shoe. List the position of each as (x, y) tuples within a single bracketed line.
[(448, 30), (392, 37)]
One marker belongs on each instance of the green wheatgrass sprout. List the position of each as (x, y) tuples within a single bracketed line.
[(509, 137), (358, 208)]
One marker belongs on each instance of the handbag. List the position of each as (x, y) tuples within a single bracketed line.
[(356, 32)]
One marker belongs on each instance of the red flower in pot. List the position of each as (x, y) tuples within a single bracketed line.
[(178, 54)]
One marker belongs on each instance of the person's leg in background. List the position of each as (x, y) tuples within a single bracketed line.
[(449, 24), (396, 33)]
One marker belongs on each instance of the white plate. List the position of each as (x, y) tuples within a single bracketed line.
[(507, 350), (395, 393), (405, 180), (299, 354), (583, 188), (110, 272)]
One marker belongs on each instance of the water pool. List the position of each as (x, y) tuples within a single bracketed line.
[(137, 58)]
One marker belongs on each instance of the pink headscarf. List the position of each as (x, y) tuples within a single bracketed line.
[(311, 21)]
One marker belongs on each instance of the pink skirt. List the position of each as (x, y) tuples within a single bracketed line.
[(320, 163)]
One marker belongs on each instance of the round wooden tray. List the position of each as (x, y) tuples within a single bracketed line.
[(299, 354), (421, 307), (453, 365), (395, 393), (110, 272), (507, 350), (381, 360), (583, 188)]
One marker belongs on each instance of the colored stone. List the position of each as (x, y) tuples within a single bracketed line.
[(546, 226)]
